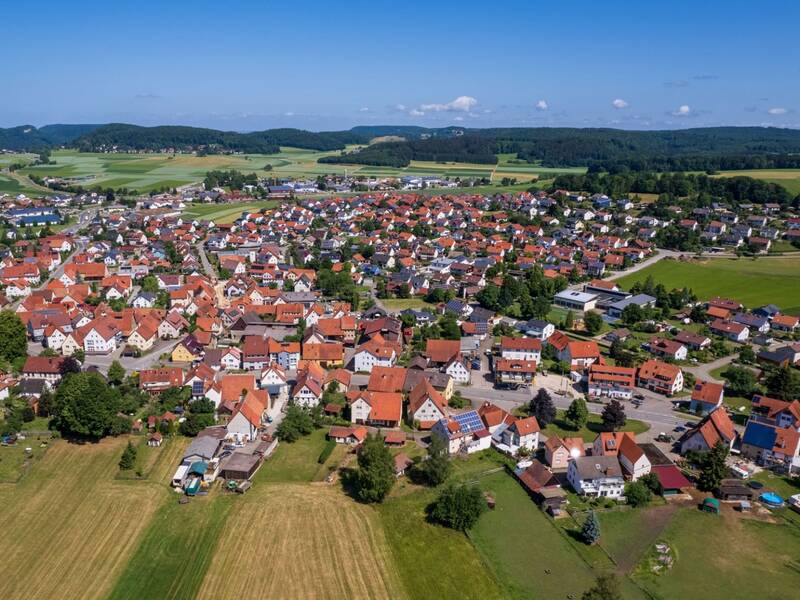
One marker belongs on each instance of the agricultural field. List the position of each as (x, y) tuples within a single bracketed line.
[(68, 527), (752, 282), (225, 213), (788, 178), (276, 533), (145, 172)]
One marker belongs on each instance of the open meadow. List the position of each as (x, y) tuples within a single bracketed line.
[(752, 282)]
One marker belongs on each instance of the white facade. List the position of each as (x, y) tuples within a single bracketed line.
[(458, 372), (364, 361)]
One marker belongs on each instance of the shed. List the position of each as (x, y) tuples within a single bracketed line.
[(710, 505), (735, 489), (241, 466)]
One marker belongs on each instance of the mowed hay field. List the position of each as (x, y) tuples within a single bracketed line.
[(301, 541), (752, 282), (68, 528)]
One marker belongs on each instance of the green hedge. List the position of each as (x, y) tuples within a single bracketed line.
[(326, 452)]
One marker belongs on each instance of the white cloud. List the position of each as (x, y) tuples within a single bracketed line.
[(778, 110), (400, 107), (288, 114), (416, 113), (460, 104), (542, 105), (619, 103), (364, 109), (682, 111), (459, 118)]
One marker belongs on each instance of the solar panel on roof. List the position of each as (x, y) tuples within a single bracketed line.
[(469, 421)]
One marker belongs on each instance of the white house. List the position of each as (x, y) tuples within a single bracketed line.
[(458, 370), (522, 433), (599, 476), (521, 349), (633, 459), (370, 355), (100, 339)]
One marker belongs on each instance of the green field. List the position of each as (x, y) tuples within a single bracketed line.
[(788, 178), (145, 172), (752, 282), (225, 213)]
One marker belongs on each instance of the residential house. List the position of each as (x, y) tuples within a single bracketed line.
[(660, 377), (706, 397), (596, 476)]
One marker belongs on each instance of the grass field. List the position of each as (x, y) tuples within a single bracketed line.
[(521, 544), (225, 213), (304, 541), (459, 571), (15, 461), (788, 178), (753, 282), (727, 557), (68, 527)]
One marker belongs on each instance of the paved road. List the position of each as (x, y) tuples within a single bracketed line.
[(201, 251)]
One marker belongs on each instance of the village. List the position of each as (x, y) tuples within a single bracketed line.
[(448, 327)]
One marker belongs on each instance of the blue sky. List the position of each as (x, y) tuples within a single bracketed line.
[(330, 65)]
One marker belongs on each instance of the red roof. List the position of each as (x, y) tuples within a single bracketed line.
[(670, 477)]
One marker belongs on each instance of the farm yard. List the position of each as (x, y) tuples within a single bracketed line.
[(753, 282)]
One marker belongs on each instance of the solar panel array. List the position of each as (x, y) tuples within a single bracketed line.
[(469, 421)]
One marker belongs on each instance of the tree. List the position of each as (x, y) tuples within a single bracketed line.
[(542, 408), (614, 416), (653, 483), (577, 414), (590, 532), (202, 406), (606, 588), (458, 506), (569, 320), (783, 383), (116, 373), (296, 424), (375, 476), (436, 469), (195, 423), (593, 322), (14, 336), (128, 458), (638, 494), (85, 405), (449, 327), (741, 381), (714, 468), (746, 355)]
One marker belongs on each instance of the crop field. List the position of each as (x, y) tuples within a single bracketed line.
[(305, 541), (752, 282), (68, 527)]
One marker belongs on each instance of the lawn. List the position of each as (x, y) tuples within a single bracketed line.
[(752, 282), (301, 540), (726, 556), (68, 528), (296, 462), (225, 213), (404, 303), (459, 571), (591, 429)]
